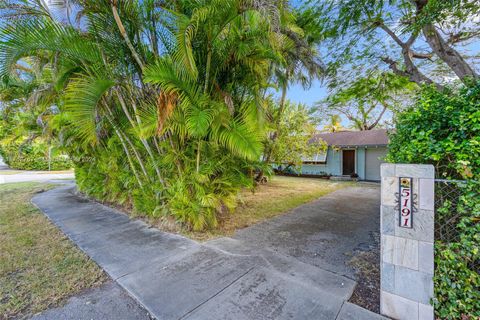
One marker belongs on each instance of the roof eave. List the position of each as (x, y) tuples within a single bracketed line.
[(359, 145)]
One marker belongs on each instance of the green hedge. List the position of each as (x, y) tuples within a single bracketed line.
[(32, 158), (443, 129), (457, 263)]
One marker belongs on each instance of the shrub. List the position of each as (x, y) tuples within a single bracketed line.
[(195, 199), (443, 129), (457, 263), (33, 157)]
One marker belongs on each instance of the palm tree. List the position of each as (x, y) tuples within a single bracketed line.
[(166, 99), (300, 62), (334, 124)]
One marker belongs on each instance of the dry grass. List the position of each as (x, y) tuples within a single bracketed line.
[(278, 196), (39, 266)]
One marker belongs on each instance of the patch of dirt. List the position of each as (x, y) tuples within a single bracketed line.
[(366, 264)]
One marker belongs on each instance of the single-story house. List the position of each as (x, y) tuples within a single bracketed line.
[(349, 152)]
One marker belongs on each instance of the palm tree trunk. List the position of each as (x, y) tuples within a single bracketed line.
[(124, 34), (137, 155), (281, 109), (125, 138), (207, 69), (144, 142), (125, 149), (205, 90), (129, 157), (177, 163), (198, 155)]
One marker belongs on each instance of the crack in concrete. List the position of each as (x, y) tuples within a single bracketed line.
[(216, 294)]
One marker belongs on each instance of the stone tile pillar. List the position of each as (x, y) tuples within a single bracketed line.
[(407, 253)]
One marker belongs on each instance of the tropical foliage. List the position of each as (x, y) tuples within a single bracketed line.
[(34, 156), (289, 138), (160, 104), (27, 138)]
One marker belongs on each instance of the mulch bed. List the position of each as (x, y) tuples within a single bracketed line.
[(301, 175), (366, 264)]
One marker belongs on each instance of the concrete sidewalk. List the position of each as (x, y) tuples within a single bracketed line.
[(34, 176), (177, 278), (108, 302)]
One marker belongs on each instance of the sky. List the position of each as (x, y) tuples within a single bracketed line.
[(316, 92)]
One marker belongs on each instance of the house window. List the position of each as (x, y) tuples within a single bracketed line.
[(319, 158)]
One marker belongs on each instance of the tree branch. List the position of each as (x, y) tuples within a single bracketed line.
[(419, 55), (393, 66), (448, 54), (375, 123), (392, 35), (443, 50), (454, 38)]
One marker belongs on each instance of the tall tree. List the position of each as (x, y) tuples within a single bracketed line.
[(300, 61), (365, 101), (163, 98), (423, 40)]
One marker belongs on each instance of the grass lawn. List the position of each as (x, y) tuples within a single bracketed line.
[(278, 196), (39, 266)]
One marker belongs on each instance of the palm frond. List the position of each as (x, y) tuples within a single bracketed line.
[(240, 139), (82, 105), (198, 120), (171, 77), (184, 51), (24, 38)]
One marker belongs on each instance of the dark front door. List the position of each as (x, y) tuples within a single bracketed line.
[(348, 162)]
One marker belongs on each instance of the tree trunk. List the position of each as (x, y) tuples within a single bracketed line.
[(144, 142), (125, 149), (124, 137), (448, 54), (207, 69), (411, 71), (375, 123), (137, 155), (279, 117), (124, 34)]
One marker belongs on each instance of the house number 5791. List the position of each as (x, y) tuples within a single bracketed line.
[(405, 202)]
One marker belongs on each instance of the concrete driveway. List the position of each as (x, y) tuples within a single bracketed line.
[(291, 267), (325, 232)]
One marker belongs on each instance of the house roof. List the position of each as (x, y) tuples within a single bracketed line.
[(354, 138)]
